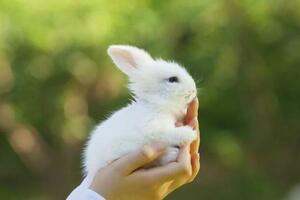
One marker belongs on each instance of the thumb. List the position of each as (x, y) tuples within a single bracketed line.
[(139, 158)]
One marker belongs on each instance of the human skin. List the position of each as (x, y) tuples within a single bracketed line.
[(125, 179)]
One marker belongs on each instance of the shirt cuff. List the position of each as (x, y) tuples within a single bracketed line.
[(92, 195)]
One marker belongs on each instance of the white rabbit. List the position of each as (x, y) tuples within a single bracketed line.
[(161, 91)]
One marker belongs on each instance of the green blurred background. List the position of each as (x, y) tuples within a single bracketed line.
[(57, 82)]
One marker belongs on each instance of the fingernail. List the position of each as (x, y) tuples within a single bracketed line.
[(158, 146)]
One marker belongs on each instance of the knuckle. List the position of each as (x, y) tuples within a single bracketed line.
[(146, 152), (186, 171)]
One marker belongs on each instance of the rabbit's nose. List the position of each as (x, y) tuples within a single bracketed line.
[(192, 91)]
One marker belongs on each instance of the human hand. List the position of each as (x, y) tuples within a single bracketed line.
[(191, 119), (124, 179)]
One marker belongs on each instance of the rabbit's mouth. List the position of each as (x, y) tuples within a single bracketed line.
[(189, 97)]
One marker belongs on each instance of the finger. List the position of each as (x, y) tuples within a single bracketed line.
[(184, 155), (196, 143), (192, 111), (139, 158), (193, 123), (172, 170), (195, 166)]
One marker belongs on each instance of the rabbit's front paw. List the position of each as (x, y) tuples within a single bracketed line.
[(180, 136), (188, 134), (170, 155)]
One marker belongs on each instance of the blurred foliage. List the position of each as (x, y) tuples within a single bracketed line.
[(56, 83)]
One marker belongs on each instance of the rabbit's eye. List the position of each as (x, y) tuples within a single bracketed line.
[(173, 79)]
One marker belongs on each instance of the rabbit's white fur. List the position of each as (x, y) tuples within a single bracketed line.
[(158, 104)]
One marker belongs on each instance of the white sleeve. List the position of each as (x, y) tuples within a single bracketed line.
[(82, 192)]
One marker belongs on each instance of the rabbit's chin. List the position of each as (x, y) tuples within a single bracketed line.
[(170, 155)]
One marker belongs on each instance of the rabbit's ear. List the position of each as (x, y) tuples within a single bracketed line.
[(128, 58)]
